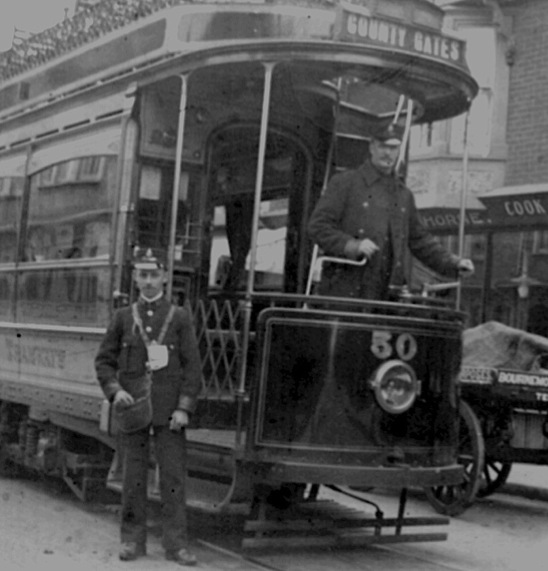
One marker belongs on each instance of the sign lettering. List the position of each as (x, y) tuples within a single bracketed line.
[(368, 29), (525, 207), (478, 375), (35, 355), (439, 219), (517, 210), (524, 379)]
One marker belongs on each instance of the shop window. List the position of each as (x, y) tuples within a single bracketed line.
[(66, 172), (91, 169), (540, 242)]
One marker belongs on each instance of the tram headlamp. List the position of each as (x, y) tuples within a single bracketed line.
[(396, 386)]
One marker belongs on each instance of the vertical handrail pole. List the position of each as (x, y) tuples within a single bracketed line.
[(463, 197), (326, 177), (240, 392), (316, 248), (176, 182), (406, 136), (269, 67)]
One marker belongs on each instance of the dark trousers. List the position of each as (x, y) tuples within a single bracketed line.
[(170, 452)]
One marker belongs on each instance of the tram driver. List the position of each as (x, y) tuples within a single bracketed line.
[(369, 213)]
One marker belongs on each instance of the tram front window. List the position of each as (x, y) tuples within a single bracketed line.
[(230, 251), (277, 261)]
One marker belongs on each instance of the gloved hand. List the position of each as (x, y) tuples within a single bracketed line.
[(122, 398), (367, 248), (179, 419), (465, 267)]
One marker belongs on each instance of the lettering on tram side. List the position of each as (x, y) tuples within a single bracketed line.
[(522, 379), (367, 29), (35, 355), (543, 397)]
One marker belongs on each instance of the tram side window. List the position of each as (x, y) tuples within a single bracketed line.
[(69, 217), (11, 196), (70, 210)]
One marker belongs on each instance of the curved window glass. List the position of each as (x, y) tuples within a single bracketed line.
[(70, 210), (65, 274)]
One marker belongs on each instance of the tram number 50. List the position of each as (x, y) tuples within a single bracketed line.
[(383, 345)]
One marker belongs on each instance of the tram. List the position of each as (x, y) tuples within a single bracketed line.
[(209, 129)]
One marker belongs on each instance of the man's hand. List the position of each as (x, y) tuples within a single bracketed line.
[(465, 267), (122, 399), (367, 248), (179, 419)]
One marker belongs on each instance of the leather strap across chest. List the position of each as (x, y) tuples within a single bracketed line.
[(143, 333)]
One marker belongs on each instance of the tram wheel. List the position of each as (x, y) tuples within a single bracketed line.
[(454, 499), (495, 474)]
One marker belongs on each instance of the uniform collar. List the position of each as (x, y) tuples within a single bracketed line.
[(372, 174), (150, 303)]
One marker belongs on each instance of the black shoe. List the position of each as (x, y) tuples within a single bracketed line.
[(182, 557), (131, 550)]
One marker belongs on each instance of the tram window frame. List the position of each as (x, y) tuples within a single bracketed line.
[(11, 190), (46, 180), (66, 279)]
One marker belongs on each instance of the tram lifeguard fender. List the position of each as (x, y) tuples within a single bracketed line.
[(496, 345)]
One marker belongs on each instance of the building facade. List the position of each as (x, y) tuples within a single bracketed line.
[(506, 161)]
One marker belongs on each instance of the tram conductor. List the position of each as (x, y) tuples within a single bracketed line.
[(149, 355), (369, 213)]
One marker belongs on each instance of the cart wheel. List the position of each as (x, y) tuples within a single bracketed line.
[(495, 475), (454, 499)]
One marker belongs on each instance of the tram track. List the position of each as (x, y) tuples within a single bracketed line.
[(340, 559), (251, 562)]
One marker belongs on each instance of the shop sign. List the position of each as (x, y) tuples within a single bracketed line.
[(434, 219), (517, 210)]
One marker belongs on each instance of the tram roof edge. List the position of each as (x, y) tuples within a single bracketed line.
[(178, 27)]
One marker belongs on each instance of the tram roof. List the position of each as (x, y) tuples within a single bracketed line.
[(400, 42)]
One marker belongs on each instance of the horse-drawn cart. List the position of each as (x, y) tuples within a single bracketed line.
[(503, 411)]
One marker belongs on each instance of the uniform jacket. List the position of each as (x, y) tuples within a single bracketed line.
[(361, 204), (122, 358)]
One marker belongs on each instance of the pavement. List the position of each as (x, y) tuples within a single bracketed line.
[(527, 480)]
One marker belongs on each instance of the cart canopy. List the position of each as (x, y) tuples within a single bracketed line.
[(498, 346)]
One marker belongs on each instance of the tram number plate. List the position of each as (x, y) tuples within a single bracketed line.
[(384, 344)]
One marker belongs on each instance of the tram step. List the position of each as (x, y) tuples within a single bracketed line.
[(325, 523), (340, 540)]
